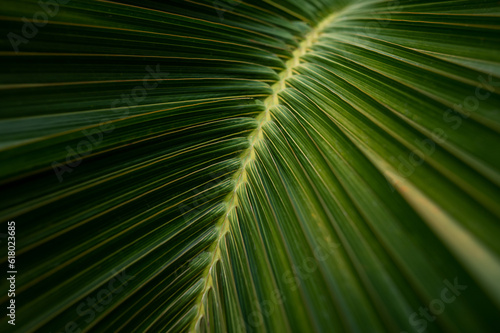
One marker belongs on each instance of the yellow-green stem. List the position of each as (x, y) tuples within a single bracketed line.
[(248, 156)]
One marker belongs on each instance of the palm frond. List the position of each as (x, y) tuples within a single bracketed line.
[(268, 166)]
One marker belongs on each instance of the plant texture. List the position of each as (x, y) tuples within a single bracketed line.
[(251, 166)]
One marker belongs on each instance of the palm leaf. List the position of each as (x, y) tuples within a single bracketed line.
[(268, 166)]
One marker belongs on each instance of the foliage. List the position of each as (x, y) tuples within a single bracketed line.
[(277, 165)]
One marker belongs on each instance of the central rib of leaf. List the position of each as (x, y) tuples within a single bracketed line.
[(248, 156)]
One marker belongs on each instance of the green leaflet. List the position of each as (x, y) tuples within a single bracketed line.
[(261, 166)]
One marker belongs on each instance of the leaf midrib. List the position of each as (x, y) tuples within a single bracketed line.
[(248, 155)]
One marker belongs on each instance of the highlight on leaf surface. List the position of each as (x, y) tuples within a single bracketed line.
[(258, 166)]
